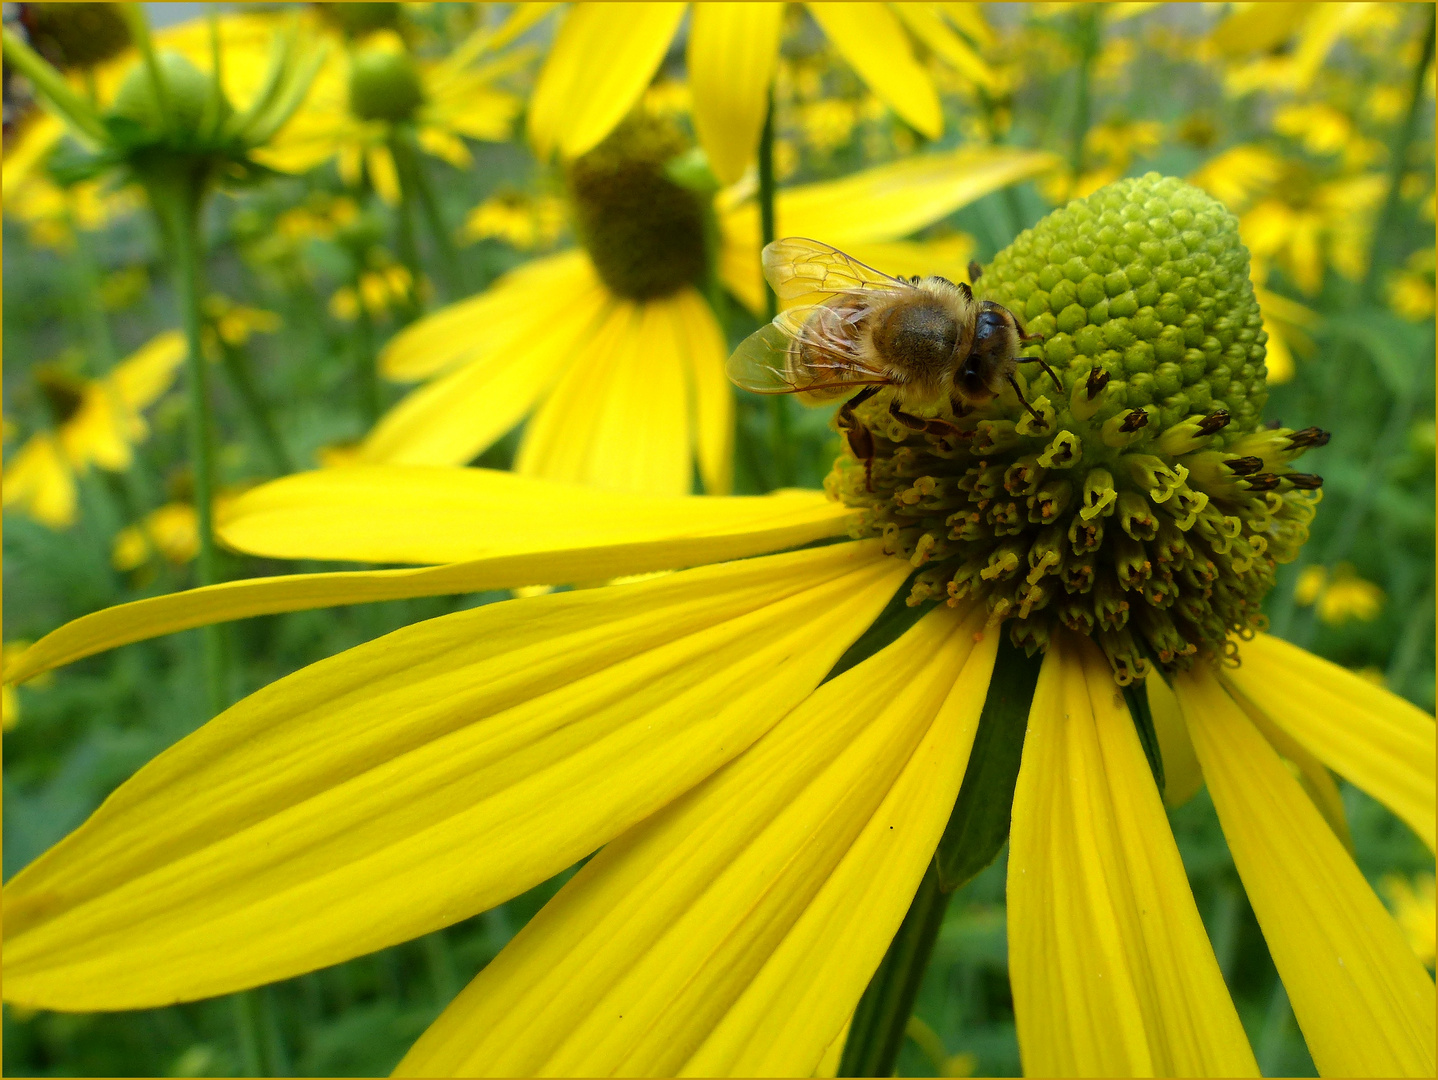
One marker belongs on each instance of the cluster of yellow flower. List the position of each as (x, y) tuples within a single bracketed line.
[(683, 686)]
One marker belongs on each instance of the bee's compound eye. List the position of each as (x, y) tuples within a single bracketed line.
[(989, 325)]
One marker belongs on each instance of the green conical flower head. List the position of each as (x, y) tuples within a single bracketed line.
[(1145, 506)]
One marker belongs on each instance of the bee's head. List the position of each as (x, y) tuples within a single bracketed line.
[(996, 340)]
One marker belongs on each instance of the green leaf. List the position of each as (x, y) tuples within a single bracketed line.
[(979, 824)]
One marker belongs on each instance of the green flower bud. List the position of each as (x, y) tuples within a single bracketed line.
[(188, 93), (1145, 506), (384, 84)]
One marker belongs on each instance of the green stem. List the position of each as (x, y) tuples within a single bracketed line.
[(877, 1031), (778, 405), (247, 1033), (87, 281), (405, 240), (177, 197), (242, 378), (366, 379), (1087, 33), (1398, 169), (415, 187)]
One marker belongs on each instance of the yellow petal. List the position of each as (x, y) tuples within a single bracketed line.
[(1363, 732), (150, 370), (733, 933), (602, 59), (876, 205), (39, 480), (926, 24), (509, 344), (1111, 969), (413, 781), (1364, 1002), (608, 536), (1182, 776), (732, 52), (871, 39), (713, 407), (383, 174), (619, 418)]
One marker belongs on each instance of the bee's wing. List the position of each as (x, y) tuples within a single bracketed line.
[(799, 268), (763, 362)]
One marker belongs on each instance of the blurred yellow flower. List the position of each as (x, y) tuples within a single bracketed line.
[(360, 97), (171, 531), (1324, 130), (1340, 596), (613, 348), (1110, 150), (1310, 224), (1282, 46), (524, 221), (10, 702), (605, 55), (1287, 323), (51, 213), (234, 323), (382, 286), (1410, 290), (98, 422), (1412, 902), (1238, 175)]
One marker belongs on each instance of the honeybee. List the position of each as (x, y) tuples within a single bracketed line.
[(926, 338)]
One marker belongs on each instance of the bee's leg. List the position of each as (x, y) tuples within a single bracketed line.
[(941, 428), (860, 438), (1024, 401), (1041, 362)]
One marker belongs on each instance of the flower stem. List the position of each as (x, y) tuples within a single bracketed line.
[(247, 1033), (877, 1031), (778, 405), (242, 378), (1087, 33), (366, 380), (1402, 143), (416, 188), (177, 198)]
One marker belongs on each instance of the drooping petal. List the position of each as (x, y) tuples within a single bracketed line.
[(713, 408), (874, 206), (1380, 742), (39, 480), (413, 781), (1363, 1001), (1111, 969), (602, 59), (337, 514), (506, 347), (926, 24), (873, 41), (619, 418), (733, 49), (1181, 773), (733, 933), (383, 174)]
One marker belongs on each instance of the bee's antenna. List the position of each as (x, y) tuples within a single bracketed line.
[(1039, 360)]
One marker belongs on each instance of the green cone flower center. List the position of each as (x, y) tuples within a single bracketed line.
[(384, 85), (188, 96), (357, 20), (644, 230), (1147, 508), (75, 35)]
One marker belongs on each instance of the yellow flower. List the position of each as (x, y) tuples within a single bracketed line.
[(383, 286), (101, 420), (52, 213), (748, 879), (171, 531), (521, 220), (625, 378), (605, 55), (1412, 904), (1287, 323), (446, 100), (234, 323), (1283, 46), (1309, 224), (1340, 596), (754, 829), (1410, 290)]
